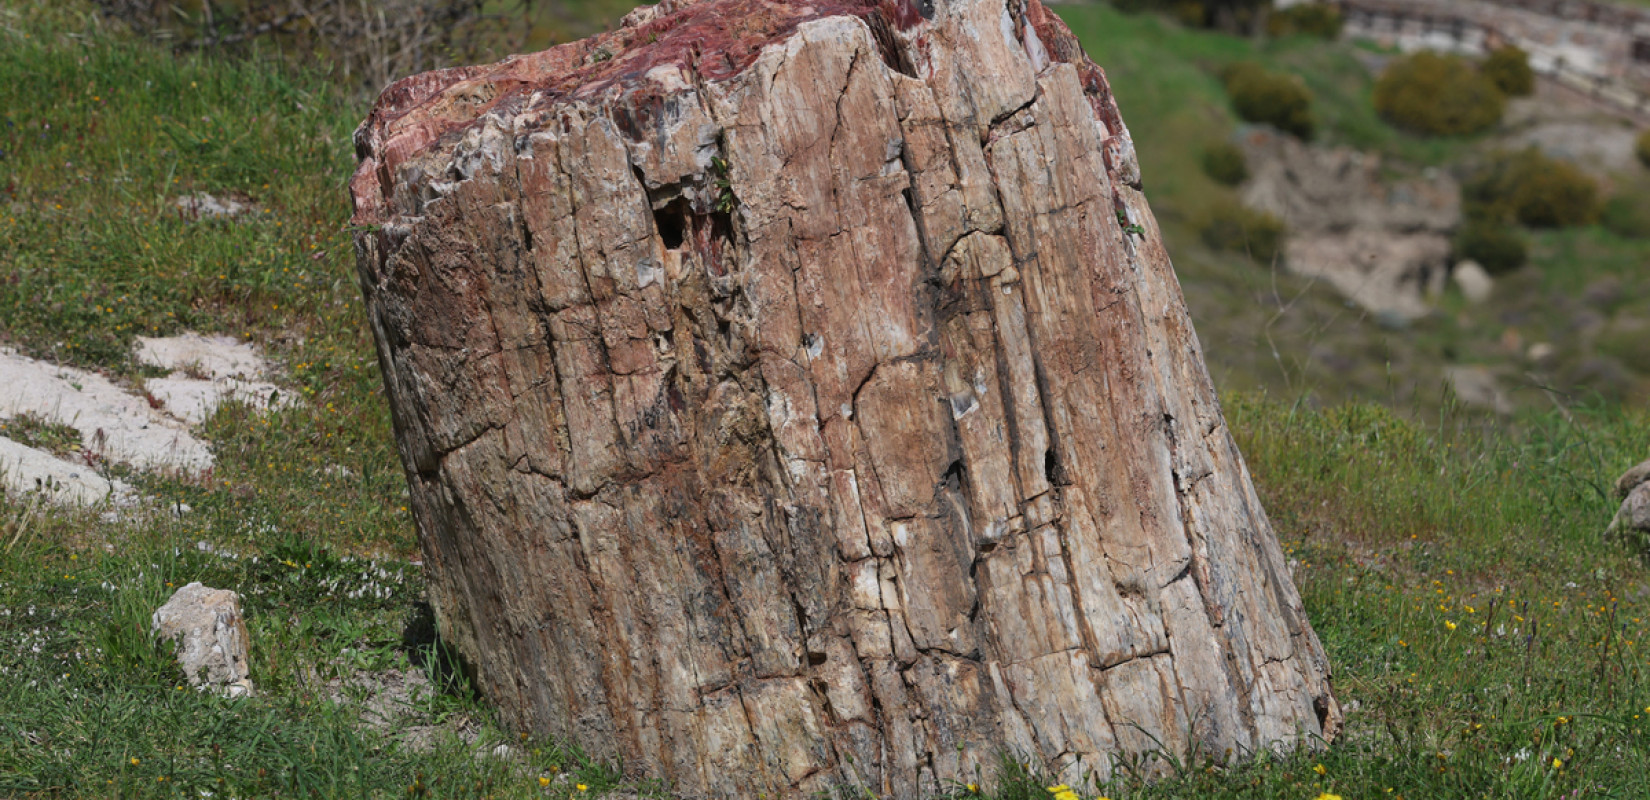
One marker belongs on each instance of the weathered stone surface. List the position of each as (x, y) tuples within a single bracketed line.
[(789, 400), (1633, 518), (1630, 480), (205, 627)]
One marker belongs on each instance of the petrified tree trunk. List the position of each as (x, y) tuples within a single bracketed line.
[(800, 394)]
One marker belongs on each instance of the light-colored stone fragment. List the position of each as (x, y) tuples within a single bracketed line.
[(201, 204), (1633, 518), (207, 371), (202, 356), (1474, 282), (113, 423), (25, 470), (208, 636), (1630, 480), (1477, 387)]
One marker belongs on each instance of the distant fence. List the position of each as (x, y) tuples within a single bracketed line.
[(1594, 71)]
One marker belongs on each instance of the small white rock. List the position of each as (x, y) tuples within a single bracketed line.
[(1475, 283), (206, 627)]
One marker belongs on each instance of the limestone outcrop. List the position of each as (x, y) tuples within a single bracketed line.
[(799, 395), (1382, 243)]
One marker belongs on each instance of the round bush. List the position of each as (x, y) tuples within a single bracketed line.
[(1437, 94), (1309, 19), (1231, 226), (1533, 189), (1497, 247), (1628, 215), (1509, 69), (1643, 148), (1275, 99), (1191, 13), (1226, 163)]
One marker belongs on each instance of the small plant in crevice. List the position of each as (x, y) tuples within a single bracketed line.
[(1129, 227), (723, 184)]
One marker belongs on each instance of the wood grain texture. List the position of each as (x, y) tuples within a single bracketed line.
[(790, 400)]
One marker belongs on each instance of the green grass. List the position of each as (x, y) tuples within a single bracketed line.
[(1399, 529)]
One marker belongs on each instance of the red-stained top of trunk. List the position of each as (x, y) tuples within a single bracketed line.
[(714, 39), (711, 40)]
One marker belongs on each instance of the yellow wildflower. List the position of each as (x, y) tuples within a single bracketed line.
[(1320, 769), (1450, 625), (1063, 792), (543, 781)]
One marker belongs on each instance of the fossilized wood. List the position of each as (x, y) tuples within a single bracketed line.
[(789, 400)]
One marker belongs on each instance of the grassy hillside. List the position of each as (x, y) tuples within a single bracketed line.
[(1584, 292), (1487, 642)]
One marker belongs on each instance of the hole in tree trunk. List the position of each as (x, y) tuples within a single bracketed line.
[(671, 219)]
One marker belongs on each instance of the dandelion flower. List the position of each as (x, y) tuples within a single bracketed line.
[(582, 787), (543, 781), (1328, 796), (1063, 792)]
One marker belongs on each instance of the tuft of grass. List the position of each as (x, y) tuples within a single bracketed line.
[(41, 434)]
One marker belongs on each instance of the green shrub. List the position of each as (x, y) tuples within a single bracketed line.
[(1191, 13), (1229, 225), (1533, 189), (1629, 345), (1497, 247), (1509, 69), (1276, 99), (1232, 16), (1643, 148), (1437, 94), (1310, 19), (1225, 163), (1628, 215)]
